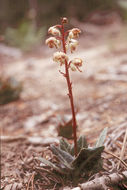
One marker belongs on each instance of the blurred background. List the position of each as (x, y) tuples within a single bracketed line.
[(23, 24), (33, 94)]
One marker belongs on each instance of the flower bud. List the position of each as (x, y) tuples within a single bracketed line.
[(64, 20), (60, 57), (53, 42), (54, 31), (74, 33)]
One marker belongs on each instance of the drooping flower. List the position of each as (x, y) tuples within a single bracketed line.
[(53, 42), (60, 57), (74, 33), (54, 31), (72, 44), (75, 64)]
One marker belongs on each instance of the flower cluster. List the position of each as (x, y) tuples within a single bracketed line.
[(69, 41)]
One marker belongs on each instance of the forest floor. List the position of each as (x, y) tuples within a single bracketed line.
[(30, 125)]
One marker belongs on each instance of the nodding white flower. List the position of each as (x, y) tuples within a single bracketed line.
[(75, 64), (74, 33), (60, 57), (72, 43), (53, 42), (54, 31)]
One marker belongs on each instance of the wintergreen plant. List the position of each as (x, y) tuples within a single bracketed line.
[(64, 41), (78, 160)]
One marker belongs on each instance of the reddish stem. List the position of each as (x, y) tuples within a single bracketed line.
[(69, 84)]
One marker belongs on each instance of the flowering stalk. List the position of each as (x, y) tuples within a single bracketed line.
[(69, 84), (62, 58)]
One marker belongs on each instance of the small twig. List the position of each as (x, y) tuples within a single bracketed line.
[(28, 183), (30, 140), (43, 170), (54, 186), (12, 138), (123, 148), (116, 157), (31, 179)]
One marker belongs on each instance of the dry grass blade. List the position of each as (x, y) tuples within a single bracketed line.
[(123, 149), (31, 179), (116, 157)]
